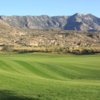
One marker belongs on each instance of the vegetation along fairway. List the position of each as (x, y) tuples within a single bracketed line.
[(41, 76)]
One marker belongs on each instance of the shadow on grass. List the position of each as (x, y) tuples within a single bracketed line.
[(10, 95)]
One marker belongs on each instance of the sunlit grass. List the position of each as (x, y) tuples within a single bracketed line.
[(41, 76)]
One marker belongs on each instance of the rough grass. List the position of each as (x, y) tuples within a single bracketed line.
[(49, 77)]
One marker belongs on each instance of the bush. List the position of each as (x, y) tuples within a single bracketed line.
[(7, 48)]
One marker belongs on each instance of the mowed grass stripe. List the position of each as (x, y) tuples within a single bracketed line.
[(50, 76), (59, 70), (35, 69), (11, 66), (42, 69), (56, 70), (53, 70), (5, 66), (82, 72)]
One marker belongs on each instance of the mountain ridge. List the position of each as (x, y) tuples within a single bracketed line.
[(79, 22)]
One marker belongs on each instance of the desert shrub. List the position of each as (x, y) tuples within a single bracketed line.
[(7, 48)]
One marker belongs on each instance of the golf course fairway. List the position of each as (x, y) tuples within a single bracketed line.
[(43, 76)]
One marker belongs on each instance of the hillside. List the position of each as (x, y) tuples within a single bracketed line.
[(47, 40), (80, 22)]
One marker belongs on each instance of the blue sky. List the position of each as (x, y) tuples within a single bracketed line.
[(49, 7)]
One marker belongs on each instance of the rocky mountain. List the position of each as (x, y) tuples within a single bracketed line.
[(50, 34), (80, 22), (61, 41), (83, 22)]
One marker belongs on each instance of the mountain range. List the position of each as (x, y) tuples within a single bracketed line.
[(80, 22), (50, 34)]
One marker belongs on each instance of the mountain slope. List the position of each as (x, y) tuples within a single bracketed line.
[(83, 22), (77, 21), (50, 40), (35, 22)]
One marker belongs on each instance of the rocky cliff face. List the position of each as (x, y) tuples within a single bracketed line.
[(77, 21), (83, 23), (35, 22)]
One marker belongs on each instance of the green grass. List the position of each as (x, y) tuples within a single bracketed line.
[(41, 76)]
